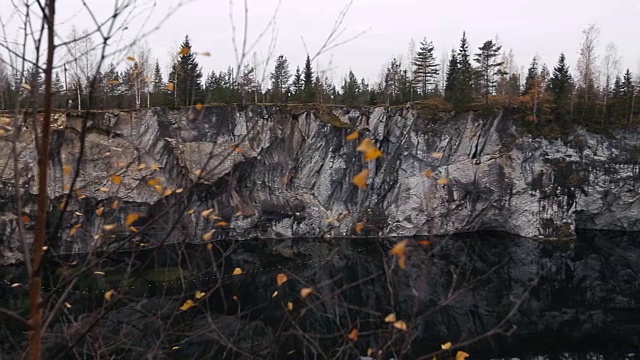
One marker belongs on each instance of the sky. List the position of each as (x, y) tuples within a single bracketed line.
[(383, 28)]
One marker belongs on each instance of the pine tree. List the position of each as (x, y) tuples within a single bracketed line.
[(186, 76), (309, 91), (280, 79), (452, 78), (464, 84), (560, 87), (425, 67), (488, 66)]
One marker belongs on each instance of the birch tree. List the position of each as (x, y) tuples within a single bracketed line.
[(610, 68)]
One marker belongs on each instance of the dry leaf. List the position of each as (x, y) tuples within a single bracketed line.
[(98, 273), (359, 227), (113, 82), (133, 229), (208, 236), (26, 218), (104, 189), (437, 155), (199, 106), (2, 132), (400, 325), (290, 306), (167, 192), (187, 305), (443, 181), (424, 242), (200, 294), (369, 150), (237, 271), (131, 218), (370, 352), (354, 135), (198, 172), (428, 173), (184, 50), (74, 229), (205, 53), (178, 191), (115, 205), (153, 182), (402, 262), (281, 279), (45, 248), (131, 58), (109, 227), (390, 318), (353, 335), (67, 188), (156, 166), (461, 355), (222, 223), (171, 86), (360, 180), (446, 346), (400, 249), (100, 211), (141, 166), (108, 295), (67, 169), (210, 246), (207, 213), (26, 86), (304, 292), (159, 189), (15, 285)]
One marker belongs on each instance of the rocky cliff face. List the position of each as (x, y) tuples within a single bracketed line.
[(286, 172)]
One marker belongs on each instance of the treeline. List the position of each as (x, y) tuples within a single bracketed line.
[(597, 92)]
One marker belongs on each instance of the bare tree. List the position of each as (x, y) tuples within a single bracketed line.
[(610, 68), (587, 64)]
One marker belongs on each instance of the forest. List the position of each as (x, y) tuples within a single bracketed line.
[(596, 93)]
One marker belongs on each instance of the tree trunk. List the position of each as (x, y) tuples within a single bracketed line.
[(35, 282)]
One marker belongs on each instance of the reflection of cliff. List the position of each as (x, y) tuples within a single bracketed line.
[(290, 170), (583, 296)]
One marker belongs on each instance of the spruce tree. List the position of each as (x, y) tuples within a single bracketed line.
[(297, 85), (350, 90), (532, 77), (487, 67), (452, 77), (280, 79), (186, 76), (560, 87), (425, 67), (464, 82), (309, 90)]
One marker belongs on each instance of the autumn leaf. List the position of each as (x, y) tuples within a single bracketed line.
[(171, 86), (131, 218), (2, 132), (446, 346), (370, 352), (67, 188), (281, 279), (156, 166), (304, 292), (26, 218), (153, 182), (205, 53), (141, 167), (100, 211), (428, 173), (390, 318), (133, 229), (167, 192), (108, 295), (26, 86), (207, 213), (104, 189), (199, 106), (353, 335), (237, 271), (113, 82), (402, 262), (210, 246), (116, 179), (74, 229), (360, 180), (222, 223), (115, 205), (98, 273), (198, 172), (16, 285), (290, 306), (208, 236), (359, 227), (275, 293), (437, 155), (178, 191), (354, 135), (184, 50), (369, 150), (443, 181), (67, 169), (159, 189), (200, 295), (187, 305), (400, 249), (461, 355), (109, 227), (400, 325), (131, 58)]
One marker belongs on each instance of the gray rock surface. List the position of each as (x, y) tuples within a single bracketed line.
[(286, 172)]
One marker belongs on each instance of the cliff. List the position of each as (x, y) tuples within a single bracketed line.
[(273, 171)]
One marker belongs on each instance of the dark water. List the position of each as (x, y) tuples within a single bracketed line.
[(499, 295)]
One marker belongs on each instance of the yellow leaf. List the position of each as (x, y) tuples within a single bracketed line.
[(74, 229), (131, 58), (390, 318), (67, 187), (171, 86), (354, 135), (207, 213), (443, 181), (155, 166), (369, 150), (191, 211), (121, 165), (238, 149), (237, 271), (222, 223), (45, 248), (428, 173), (2, 132), (78, 213), (67, 305), (100, 211), (424, 242), (208, 236), (290, 306), (26, 218), (353, 335), (400, 325), (67, 169), (446, 346), (184, 51), (141, 166), (359, 227), (63, 204), (205, 53), (115, 204), (199, 106), (370, 352), (104, 189), (26, 86), (98, 273), (402, 262), (437, 155), (178, 191), (210, 246), (113, 82), (200, 294), (153, 182), (167, 192), (108, 295), (304, 292), (461, 355), (198, 172), (131, 218), (399, 249), (360, 180), (15, 285), (281, 279), (133, 229), (373, 154), (187, 305), (159, 189), (109, 227)]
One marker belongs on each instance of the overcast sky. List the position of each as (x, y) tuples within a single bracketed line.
[(542, 27)]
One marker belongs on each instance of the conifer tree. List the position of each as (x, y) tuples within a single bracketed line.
[(425, 67), (452, 78), (560, 87), (532, 77), (297, 85), (309, 88), (350, 90), (280, 79), (488, 67), (464, 81), (186, 76)]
